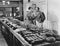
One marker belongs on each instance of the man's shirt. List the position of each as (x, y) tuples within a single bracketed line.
[(34, 16)]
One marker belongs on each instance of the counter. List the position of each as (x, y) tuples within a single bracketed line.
[(13, 38)]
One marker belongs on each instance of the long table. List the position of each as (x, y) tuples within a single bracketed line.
[(18, 36), (14, 35)]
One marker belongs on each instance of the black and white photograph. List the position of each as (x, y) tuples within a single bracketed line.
[(29, 22)]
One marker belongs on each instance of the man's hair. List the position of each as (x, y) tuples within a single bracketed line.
[(38, 8), (34, 4), (29, 8)]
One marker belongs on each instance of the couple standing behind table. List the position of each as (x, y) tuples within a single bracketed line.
[(35, 16)]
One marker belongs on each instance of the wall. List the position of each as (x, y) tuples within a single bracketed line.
[(51, 8), (54, 14), (40, 3)]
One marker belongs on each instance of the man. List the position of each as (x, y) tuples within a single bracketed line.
[(40, 18), (35, 15)]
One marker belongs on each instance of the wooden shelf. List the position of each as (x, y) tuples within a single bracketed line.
[(9, 5), (10, 0)]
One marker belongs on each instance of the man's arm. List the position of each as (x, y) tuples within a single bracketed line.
[(41, 17)]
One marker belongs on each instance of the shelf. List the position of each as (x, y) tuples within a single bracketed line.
[(11, 5), (10, 0)]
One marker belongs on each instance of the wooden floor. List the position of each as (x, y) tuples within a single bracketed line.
[(2, 40)]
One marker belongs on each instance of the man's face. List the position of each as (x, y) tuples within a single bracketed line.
[(34, 6)]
